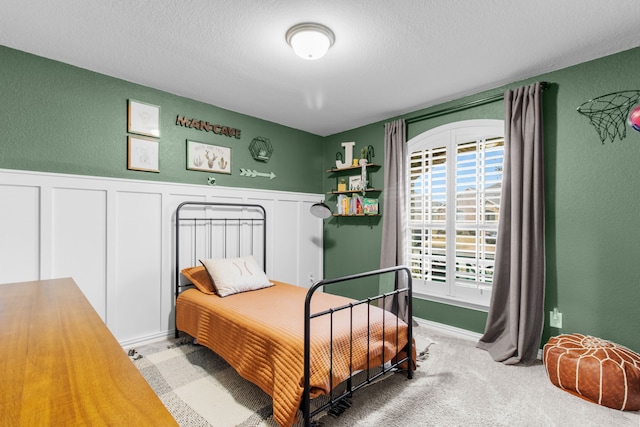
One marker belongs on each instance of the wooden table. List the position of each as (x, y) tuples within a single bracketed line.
[(60, 365)]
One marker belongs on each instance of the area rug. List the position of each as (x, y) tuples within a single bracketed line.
[(200, 389), (455, 384)]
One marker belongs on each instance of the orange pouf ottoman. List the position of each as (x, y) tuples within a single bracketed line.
[(594, 369)]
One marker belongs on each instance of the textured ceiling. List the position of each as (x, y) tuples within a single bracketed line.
[(390, 56)]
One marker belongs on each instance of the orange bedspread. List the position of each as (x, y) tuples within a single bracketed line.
[(261, 334)]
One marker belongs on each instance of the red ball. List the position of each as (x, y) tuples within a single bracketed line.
[(634, 118)]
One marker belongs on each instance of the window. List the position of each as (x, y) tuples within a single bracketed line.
[(455, 183)]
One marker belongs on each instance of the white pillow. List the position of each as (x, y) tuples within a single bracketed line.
[(233, 275)]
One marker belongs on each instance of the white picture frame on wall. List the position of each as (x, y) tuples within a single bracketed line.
[(143, 154), (208, 157), (143, 118)]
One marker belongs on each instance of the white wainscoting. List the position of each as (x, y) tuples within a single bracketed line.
[(115, 238)]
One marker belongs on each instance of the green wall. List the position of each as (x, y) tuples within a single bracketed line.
[(592, 207), (59, 118)]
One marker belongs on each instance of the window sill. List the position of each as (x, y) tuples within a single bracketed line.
[(450, 301)]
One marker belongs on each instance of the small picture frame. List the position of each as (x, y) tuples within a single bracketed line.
[(355, 183), (208, 158), (142, 154), (143, 119)]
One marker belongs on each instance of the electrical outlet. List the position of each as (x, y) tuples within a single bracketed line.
[(555, 318)]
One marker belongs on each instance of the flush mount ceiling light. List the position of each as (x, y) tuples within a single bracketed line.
[(309, 40)]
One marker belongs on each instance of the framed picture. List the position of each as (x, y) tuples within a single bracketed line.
[(142, 154), (208, 158), (355, 183), (143, 119)]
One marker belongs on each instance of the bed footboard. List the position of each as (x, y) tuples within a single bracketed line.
[(402, 291)]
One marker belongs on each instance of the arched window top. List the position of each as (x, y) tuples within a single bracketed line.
[(478, 128)]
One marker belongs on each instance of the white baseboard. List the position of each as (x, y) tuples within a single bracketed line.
[(441, 327), (147, 339), (457, 332), (448, 329)]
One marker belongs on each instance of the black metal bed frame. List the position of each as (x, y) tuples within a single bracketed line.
[(210, 222), (337, 401)]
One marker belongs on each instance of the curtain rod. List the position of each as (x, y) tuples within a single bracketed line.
[(463, 106)]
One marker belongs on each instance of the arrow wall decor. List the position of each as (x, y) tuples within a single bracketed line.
[(252, 173)]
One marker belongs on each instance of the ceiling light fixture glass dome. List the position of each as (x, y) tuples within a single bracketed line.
[(310, 40)]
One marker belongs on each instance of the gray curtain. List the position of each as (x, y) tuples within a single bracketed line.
[(516, 315), (394, 217)]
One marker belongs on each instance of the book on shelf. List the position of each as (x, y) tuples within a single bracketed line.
[(370, 206)]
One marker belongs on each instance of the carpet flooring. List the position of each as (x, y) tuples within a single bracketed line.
[(455, 385)]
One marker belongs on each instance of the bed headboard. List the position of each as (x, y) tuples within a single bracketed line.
[(218, 230)]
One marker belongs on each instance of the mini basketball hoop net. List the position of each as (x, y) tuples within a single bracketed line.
[(608, 113)]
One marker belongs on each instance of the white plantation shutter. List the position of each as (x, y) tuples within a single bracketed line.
[(478, 184), (428, 214), (455, 178)]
